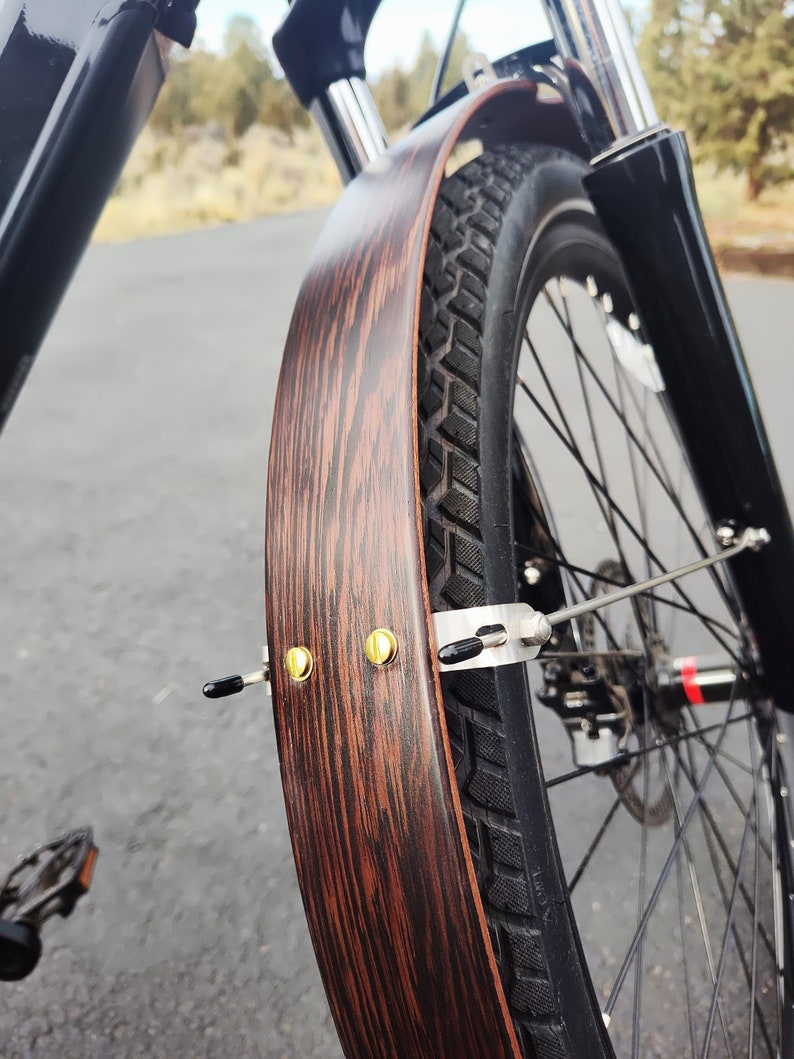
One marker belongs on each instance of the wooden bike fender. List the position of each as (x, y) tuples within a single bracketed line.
[(378, 836)]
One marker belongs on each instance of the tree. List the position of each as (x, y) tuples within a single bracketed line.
[(392, 95), (724, 69), (181, 100), (244, 71), (228, 89), (664, 54), (745, 115), (279, 109), (403, 95)]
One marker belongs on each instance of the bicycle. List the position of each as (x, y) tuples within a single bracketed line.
[(417, 798)]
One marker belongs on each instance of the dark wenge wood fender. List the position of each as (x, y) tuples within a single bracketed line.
[(373, 810)]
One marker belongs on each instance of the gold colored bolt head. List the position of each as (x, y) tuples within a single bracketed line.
[(299, 662), (381, 647)]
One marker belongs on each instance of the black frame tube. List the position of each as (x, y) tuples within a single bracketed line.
[(102, 106)]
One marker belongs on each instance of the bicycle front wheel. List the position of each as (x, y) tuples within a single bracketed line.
[(622, 825)]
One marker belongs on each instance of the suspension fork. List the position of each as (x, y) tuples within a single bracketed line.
[(643, 191), (645, 198)]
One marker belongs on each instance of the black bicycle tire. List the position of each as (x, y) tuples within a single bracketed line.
[(484, 236)]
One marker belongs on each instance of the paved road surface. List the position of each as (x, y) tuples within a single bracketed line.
[(132, 475)]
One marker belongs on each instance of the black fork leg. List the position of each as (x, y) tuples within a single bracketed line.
[(645, 198)]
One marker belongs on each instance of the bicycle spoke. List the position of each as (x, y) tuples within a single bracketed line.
[(716, 832), (697, 895), (756, 897), (570, 573), (660, 472), (644, 468), (690, 814), (639, 493), (726, 756), (545, 519), (708, 621), (594, 437), (724, 776), (587, 770), (599, 835), (662, 477), (627, 519), (598, 486), (751, 903), (591, 422), (641, 894), (715, 1000), (682, 928)]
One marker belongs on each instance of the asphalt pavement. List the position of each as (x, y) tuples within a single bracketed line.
[(132, 474)]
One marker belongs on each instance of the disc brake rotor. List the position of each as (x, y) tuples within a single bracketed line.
[(641, 797)]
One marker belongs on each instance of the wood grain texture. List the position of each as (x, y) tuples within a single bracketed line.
[(382, 859)]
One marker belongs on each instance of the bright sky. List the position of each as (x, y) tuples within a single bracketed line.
[(494, 26)]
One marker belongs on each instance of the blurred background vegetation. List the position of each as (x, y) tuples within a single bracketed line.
[(227, 141)]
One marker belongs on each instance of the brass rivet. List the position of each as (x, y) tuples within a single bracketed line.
[(381, 647), (299, 662)]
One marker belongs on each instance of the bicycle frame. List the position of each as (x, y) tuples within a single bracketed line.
[(374, 813), (79, 91)]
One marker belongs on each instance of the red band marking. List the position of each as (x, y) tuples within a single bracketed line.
[(689, 672)]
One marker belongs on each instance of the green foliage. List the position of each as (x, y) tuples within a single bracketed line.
[(176, 183), (175, 106), (226, 89), (242, 36), (245, 70), (723, 68), (279, 109), (238, 88), (403, 95), (664, 48)]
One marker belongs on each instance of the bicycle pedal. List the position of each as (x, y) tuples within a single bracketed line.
[(20, 949), (49, 880)]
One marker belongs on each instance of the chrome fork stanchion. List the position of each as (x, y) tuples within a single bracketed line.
[(594, 37), (594, 42), (351, 125)]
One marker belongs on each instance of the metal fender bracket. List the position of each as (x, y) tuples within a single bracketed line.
[(223, 686), (506, 633), (481, 637)]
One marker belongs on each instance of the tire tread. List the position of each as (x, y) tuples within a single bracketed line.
[(464, 236)]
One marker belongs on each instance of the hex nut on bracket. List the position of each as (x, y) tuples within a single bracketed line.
[(535, 630)]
